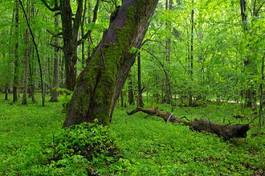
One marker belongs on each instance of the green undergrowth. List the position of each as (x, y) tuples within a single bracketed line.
[(32, 142)]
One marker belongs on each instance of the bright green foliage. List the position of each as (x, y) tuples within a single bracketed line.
[(32, 143)]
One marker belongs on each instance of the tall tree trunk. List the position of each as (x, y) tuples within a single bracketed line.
[(191, 52), (70, 36), (261, 101), (26, 58), (99, 84), (249, 61), (55, 84), (83, 33), (26, 67), (140, 102), (36, 49), (32, 65), (168, 95), (16, 61)]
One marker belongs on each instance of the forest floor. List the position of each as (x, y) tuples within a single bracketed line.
[(152, 146)]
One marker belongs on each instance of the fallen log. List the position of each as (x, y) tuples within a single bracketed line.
[(225, 131)]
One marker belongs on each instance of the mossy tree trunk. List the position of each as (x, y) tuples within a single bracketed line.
[(99, 84)]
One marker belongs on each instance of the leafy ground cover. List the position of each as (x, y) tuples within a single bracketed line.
[(148, 145)]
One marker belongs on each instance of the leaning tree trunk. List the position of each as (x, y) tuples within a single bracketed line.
[(100, 83)]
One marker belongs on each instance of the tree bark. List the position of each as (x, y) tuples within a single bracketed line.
[(37, 52), (167, 87), (26, 59), (26, 68), (55, 83), (191, 52), (140, 102), (70, 36), (225, 131), (130, 90), (31, 77), (250, 64), (99, 84), (16, 61), (261, 101), (6, 92)]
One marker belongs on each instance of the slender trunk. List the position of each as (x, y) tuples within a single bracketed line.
[(16, 61), (26, 59), (139, 82), (261, 120), (26, 68), (249, 62), (62, 72), (130, 90), (83, 33), (55, 84), (32, 66), (99, 84), (122, 100), (37, 51), (31, 76), (6, 92), (191, 53), (168, 95)]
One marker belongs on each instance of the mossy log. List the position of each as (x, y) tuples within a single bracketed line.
[(225, 131)]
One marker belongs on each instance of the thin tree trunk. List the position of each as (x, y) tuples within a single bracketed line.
[(168, 95), (130, 90), (16, 61), (249, 62), (140, 102), (37, 51), (122, 100), (261, 120), (99, 85), (55, 84), (26, 67), (83, 33), (26, 59), (191, 52), (6, 92)]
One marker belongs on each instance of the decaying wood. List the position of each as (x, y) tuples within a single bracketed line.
[(224, 131)]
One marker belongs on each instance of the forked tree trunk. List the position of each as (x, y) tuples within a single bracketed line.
[(99, 84)]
